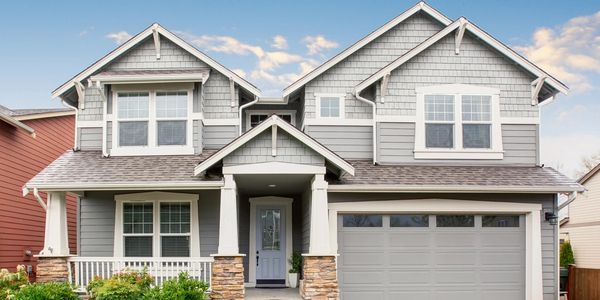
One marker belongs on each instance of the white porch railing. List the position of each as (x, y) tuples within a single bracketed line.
[(82, 270)]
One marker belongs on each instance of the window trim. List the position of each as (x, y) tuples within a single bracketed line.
[(342, 101), (153, 148), (249, 113), (495, 151), (156, 198)]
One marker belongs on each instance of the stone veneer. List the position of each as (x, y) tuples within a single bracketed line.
[(320, 278), (228, 278), (52, 269)]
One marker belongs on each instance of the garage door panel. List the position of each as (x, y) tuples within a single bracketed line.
[(364, 277), (364, 258), (443, 239), (361, 295), (501, 277), (409, 277), (409, 258), (499, 258), (406, 239), (501, 239), (412, 295), (456, 295), (454, 276), (362, 239), (458, 258), (501, 295)]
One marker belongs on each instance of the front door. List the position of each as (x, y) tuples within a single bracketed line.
[(270, 245)]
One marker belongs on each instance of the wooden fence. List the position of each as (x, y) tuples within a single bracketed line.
[(584, 284)]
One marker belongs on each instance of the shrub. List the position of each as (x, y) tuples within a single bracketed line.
[(46, 291), (295, 262), (566, 255), (121, 286), (181, 288), (10, 283)]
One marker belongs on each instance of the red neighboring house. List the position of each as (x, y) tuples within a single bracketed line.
[(30, 139)]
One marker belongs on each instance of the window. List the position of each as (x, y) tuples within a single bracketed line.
[(256, 117), (455, 221), (157, 224), (458, 121), (500, 221), (132, 112), (171, 116), (330, 106), (362, 220), (409, 221)]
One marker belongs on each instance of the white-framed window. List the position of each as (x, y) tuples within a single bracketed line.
[(156, 224), (458, 121), (330, 106), (255, 117), (152, 121)]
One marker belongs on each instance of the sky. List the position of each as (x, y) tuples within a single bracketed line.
[(272, 43)]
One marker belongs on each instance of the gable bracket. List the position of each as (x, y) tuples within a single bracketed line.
[(459, 35), (384, 86), (80, 93), (100, 88), (536, 87), (232, 91), (274, 140), (156, 36)]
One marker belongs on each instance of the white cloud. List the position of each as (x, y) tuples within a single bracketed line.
[(572, 113), (279, 42), (316, 44), (119, 37), (86, 31), (569, 51), (565, 152)]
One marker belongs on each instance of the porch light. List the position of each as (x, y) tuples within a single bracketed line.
[(551, 218), (272, 185)]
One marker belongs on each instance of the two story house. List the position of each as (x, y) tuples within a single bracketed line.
[(407, 166)]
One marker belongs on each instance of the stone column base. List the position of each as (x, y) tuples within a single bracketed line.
[(227, 280), (52, 269), (320, 278)]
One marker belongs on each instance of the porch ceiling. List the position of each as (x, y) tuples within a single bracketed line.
[(259, 185)]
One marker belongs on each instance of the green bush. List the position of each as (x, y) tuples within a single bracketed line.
[(122, 286), (10, 283), (295, 262), (181, 288), (46, 291), (566, 255)]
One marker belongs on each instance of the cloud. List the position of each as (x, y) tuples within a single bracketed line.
[(569, 114), (570, 51), (119, 37), (565, 152), (86, 31), (316, 44), (279, 42)]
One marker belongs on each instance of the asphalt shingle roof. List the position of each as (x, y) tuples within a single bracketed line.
[(29, 111)]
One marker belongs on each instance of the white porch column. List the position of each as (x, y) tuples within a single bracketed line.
[(319, 218), (228, 220), (56, 238)]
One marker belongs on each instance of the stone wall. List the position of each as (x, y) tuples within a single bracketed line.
[(52, 269), (228, 278), (320, 278)]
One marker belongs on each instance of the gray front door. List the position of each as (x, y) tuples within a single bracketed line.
[(270, 245)]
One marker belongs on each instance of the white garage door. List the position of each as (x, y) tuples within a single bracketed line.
[(431, 257)]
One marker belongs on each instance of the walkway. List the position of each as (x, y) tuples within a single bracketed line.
[(272, 294)]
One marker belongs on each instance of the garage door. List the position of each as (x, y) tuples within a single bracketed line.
[(431, 257)]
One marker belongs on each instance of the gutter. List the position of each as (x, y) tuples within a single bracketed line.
[(240, 112), (394, 188), (134, 186), (572, 198), (76, 137), (373, 104)]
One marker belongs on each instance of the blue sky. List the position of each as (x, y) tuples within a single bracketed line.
[(47, 42)]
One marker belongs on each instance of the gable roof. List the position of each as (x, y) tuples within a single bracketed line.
[(139, 38), (419, 7), (589, 174), (479, 33), (15, 116), (5, 115), (291, 130)]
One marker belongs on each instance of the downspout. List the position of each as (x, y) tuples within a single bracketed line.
[(75, 138), (372, 103), (242, 108)]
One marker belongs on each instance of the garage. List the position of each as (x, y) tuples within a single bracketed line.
[(431, 256)]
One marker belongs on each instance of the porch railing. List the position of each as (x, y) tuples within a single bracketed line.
[(82, 270)]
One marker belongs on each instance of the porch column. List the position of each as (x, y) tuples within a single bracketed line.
[(52, 260), (319, 268), (227, 280)]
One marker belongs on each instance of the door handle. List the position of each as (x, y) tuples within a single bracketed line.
[(257, 260)]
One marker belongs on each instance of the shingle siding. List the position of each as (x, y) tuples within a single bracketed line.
[(217, 99), (349, 142), (396, 144), (197, 136), (93, 105)]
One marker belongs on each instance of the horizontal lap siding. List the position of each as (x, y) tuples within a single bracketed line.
[(396, 143), (90, 138), (215, 137), (21, 158), (349, 142)]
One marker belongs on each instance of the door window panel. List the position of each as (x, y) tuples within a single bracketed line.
[(271, 228)]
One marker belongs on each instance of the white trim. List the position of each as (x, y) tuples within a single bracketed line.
[(228, 219), (265, 201), (221, 122), (396, 188), (56, 233), (129, 186), (338, 122), (149, 78), (18, 124), (341, 103), (142, 36), (293, 131), (421, 6), (495, 152), (478, 33), (36, 116), (533, 247), (156, 198), (274, 168), (268, 113), (520, 120)]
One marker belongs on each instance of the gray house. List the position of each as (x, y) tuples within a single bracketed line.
[(405, 167)]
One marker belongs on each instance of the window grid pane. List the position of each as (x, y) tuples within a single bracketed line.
[(171, 104), (330, 107), (137, 218), (439, 108), (476, 108), (362, 221), (439, 135), (476, 136), (133, 133), (138, 246), (171, 132), (175, 218), (409, 221), (132, 105), (455, 221), (500, 221), (175, 246)]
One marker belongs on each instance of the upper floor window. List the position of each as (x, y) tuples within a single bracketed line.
[(254, 117), (330, 105), (458, 122), (152, 122)]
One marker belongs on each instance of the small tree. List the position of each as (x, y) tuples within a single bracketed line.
[(566, 255)]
